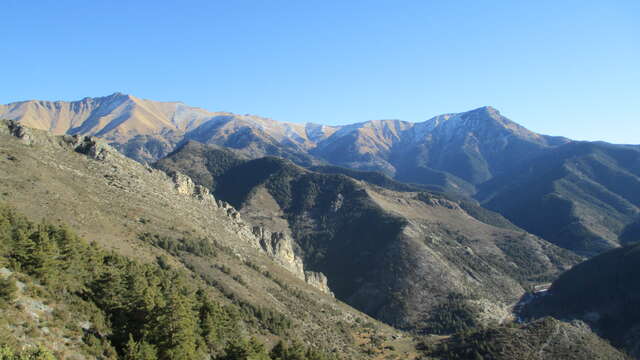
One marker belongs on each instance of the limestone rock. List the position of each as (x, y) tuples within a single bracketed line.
[(93, 147), (14, 128), (280, 248), (319, 281), (337, 204), (185, 186)]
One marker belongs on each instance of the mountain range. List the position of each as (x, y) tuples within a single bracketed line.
[(579, 195), (435, 228)]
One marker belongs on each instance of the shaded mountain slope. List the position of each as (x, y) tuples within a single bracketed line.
[(546, 339), (581, 196), (152, 217), (409, 258), (603, 291)]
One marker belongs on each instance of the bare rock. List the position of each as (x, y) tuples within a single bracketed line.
[(280, 248), (319, 281), (185, 186), (14, 128), (94, 148)]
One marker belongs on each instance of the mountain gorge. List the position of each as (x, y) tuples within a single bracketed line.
[(398, 256), (582, 196)]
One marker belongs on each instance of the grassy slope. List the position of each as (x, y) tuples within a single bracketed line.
[(113, 201)]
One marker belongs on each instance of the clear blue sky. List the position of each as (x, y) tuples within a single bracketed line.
[(558, 67)]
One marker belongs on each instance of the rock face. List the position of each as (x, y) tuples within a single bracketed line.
[(90, 146), (280, 247), (186, 186), (318, 280), (18, 131), (277, 245)]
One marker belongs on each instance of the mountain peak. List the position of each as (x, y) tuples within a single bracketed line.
[(489, 111), (119, 95)]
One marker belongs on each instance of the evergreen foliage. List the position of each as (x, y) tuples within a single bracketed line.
[(151, 312), (6, 353)]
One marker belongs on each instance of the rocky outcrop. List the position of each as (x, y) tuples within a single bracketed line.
[(280, 248), (319, 281), (90, 146), (18, 131), (185, 186), (277, 245), (337, 203)]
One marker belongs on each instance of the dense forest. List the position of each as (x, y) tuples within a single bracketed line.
[(135, 310)]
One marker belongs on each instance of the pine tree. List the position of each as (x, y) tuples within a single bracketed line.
[(8, 290), (177, 326), (139, 350), (45, 257), (239, 349), (5, 236), (23, 249)]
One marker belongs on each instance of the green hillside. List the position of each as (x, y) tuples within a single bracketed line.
[(603, 291), (581, 196), (545, 339)]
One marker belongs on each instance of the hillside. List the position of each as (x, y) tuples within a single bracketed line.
[(545, 339), (150, 217), (604, 292), (416, 260), (77, 301), (581, 196)]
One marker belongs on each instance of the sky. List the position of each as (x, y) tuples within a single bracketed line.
[(567, 67)]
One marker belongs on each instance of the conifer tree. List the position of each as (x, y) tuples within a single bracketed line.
[(139, 350), (177, 324)]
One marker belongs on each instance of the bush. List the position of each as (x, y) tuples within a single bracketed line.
[(8, 290)]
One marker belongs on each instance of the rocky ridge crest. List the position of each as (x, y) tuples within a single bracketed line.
[(276, 245)]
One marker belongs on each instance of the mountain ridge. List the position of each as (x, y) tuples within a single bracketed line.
[(379, 247), (478, 153), (148, 130)]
